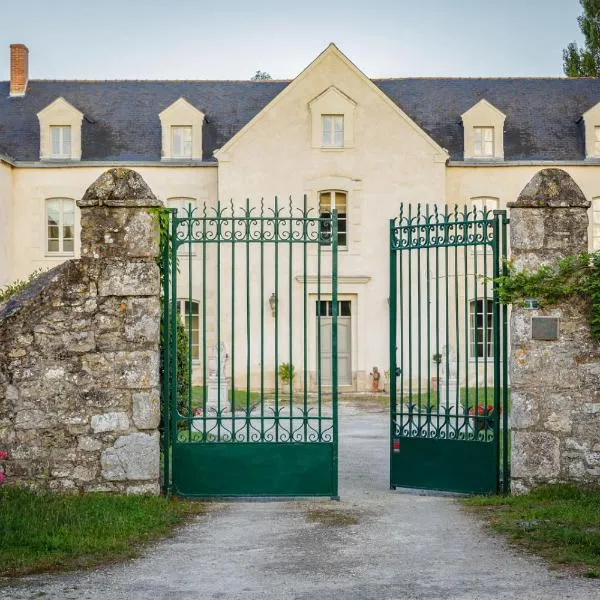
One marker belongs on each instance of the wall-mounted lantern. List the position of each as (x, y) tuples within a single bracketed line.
[(273, 303)]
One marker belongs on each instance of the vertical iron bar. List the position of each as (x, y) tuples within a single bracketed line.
[(334, 345), (428, 312), (410, 321), (304, 318), (248, 319), (447, 288), (456, 324), (319, 312), (174, 317), (290, 313), (419, 322), (232, 401), (392, 342), (276, 227), (204, 333), (496, 325), (190, 414), (262, 322), (505, 431)]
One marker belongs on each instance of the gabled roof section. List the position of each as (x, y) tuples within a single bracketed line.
[(181, 105), (331, 49), (330, 91), (594, 110), (483, 105), (60, 104)]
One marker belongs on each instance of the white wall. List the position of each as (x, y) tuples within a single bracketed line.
[(6, 223)]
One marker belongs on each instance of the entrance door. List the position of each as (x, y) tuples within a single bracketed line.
[(324, 317)]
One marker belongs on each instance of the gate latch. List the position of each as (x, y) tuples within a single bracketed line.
[(398, 371)]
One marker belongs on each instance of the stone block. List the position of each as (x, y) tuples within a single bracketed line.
[(84, 473), (530, 221), (142, 320), (535, 455), (114, 421), (146, 409), (133, 457), (138, 369), (524, 411), (150, 489), (89, 444), (121, 278)]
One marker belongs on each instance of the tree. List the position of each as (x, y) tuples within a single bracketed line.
[(585, 62), (260, 76)]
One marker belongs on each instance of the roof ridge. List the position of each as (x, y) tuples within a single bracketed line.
[(156, 81)]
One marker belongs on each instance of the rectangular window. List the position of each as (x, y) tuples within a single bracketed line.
[(481, 328), (190, 314), (60, 136), (181, 142), (327, 202), (333, 131), (595, 224), (483, 141), (60, 226), (183, 205), (325, 309)]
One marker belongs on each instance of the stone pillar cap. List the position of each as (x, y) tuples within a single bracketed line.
[(551, 188), (119, 187)]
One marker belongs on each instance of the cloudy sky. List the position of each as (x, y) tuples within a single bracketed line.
[(231, 39)]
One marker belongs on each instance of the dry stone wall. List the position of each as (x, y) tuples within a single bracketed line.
[(555, 384), (79, 354)]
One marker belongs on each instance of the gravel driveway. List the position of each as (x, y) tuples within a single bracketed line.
[(375, 544)]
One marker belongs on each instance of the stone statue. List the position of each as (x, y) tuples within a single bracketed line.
[(376, 376), (217, 363)]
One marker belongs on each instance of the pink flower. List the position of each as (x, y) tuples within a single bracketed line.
[(2, 478), (3, 454)]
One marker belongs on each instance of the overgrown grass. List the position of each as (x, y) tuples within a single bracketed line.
[(559, 522), (51, 532)]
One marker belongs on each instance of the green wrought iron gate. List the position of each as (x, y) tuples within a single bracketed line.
[(248, 409), (448, 352)]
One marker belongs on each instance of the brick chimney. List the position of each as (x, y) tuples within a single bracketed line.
[(19, 69)]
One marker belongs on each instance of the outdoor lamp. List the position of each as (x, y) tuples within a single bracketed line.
[(273, 303)]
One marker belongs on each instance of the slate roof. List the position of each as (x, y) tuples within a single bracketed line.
[(121, 117)]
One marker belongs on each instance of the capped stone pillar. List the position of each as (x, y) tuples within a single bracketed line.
[(554, 363)]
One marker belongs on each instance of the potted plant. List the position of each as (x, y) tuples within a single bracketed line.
[(437, 360), (286, 372)]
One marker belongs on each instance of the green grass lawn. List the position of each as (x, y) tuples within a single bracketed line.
[(52, 532), (559, 522)]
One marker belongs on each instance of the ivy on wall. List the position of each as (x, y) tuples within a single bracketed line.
[(573, 276)]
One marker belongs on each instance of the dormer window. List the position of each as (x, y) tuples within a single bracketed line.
[(333, 131), (483, 126), (181, 131), (181, 141), (60, 136), (60, 131), (483, 141), (332, 120)]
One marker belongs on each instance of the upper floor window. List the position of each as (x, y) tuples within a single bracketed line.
[(60, 137), (333, 131), (483, 141), (328, 201), (181, 141), (60, 226), (481, 328)]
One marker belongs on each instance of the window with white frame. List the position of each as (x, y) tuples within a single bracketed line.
[(189, 312), (185, 207), (60, 226), (483, 141), (333, 131), (60, 140), (595, 237), (596, 140), (481, 328), (329, 200), (181, 141)]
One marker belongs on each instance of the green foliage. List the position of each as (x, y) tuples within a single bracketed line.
[(559, 522), (50, 531), (287, 372), (585, 62), (163, 219), (576, 275), (16, 286), (261, 76)]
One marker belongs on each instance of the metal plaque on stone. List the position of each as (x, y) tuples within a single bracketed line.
[(544, 328)]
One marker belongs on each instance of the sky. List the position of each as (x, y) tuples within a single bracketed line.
[(231, 39)]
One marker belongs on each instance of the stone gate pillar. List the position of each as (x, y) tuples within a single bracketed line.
[(79, 354), (554, 374)]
